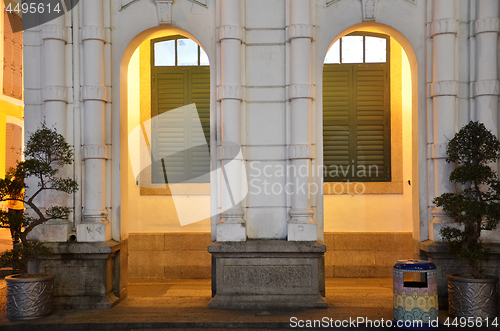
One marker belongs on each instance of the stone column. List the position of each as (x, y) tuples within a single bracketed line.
[(444, 88), (231, 227), (301, 225), (94, 96), (486, 87)]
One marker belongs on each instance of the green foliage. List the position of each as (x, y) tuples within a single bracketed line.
[(475, 206), (45, 154)]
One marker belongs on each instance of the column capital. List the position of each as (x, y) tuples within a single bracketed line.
[(300, 152), (55, 93), (54, 32), (445, 87), (95, 152), (230, 92), (90, 32), (486, 87), (300, 91), (488, 24), (438, 151), (300, 31), (94, 92), (444, 26), (231, 32)]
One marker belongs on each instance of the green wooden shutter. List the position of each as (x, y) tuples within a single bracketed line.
[(356, 123), (174, 87)]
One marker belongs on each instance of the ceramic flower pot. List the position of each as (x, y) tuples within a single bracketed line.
[(469, 297), (29, 298)]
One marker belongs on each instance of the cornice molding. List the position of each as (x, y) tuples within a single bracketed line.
[(489, 24), (230, 92), (95, 152), (445, 87), (299, 31), (444, 26), (231, 32), (300, 91)]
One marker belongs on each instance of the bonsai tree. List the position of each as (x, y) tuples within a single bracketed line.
[(45, 154), (476, 204)]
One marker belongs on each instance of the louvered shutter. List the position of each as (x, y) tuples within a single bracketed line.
[(174, 87), (13, 144), (337, 94), (356, 123), (13, 56)]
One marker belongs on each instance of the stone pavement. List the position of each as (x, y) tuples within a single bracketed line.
[(182, 305)]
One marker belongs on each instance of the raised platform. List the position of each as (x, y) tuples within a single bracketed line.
[(437, 252), (258, 274)]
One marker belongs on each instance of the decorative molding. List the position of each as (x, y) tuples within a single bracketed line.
[(299, 31), (95, 152), (429, 90), (229, 151), (300, 91), (438, 151), (489, 24), (56, 32), (94, 92), (55, 93), (164, 8), (486, 87), (300, 213), (231, 32), (444, 26), (300, 152), (90, 32), (233, 213), (445, 87), (203, 3), (230, 92), (369, 10)]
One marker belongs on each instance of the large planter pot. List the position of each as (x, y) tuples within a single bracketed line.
[(29, 298), (469, 297)]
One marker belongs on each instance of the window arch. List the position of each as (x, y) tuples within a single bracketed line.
[(180, 77), (356, 109)]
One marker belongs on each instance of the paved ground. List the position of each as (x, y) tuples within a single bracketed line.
[(182, 305)]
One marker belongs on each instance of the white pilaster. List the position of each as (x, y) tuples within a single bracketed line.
[(486, 87), (301, 225), (95, 150), (443, 90), (232, 225)]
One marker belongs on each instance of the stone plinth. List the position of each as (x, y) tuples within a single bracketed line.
[(446, 264), (87, 275), (265, 274)]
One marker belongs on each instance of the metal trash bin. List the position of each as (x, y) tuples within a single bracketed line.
[(415, 295)]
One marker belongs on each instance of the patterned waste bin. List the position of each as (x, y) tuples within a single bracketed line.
[(415, 295)]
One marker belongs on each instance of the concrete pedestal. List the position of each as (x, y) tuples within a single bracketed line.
[(446, 264), (87, 275), (266, 274)]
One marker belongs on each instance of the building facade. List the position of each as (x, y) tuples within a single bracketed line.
[(369, 90)]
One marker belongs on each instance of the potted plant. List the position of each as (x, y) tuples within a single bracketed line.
[(30, 295), (475, 206)]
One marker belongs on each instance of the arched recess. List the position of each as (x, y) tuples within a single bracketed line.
[(416, 146), (126, 171)]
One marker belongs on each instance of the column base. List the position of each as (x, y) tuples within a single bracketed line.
[(227, 232), (267, 274), (91, 232), (302, 231), (87, 275)]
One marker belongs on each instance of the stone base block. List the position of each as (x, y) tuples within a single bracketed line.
[(55, 231), (91, 232), (231, 232), (87, 275), (446, 264), (302, 232), (267, 274)]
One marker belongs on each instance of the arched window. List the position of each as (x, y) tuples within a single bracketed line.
[(356, 109), (180, 76)]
